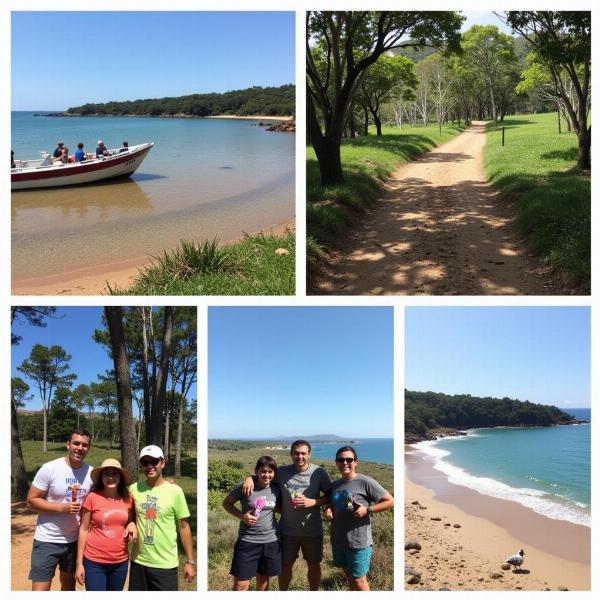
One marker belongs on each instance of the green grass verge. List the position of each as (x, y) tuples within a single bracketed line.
[(222, 528), (34, 458), (254, 266), (553, 201), (367, 162)]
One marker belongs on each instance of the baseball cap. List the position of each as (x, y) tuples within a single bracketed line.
[(153, 451)]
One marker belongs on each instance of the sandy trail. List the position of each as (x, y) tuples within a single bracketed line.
[(439, 229)]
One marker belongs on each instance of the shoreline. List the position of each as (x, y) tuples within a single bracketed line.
[(91, 281), (166, 116), (557, 553)]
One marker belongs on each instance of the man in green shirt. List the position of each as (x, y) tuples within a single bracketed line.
[(160, 508)]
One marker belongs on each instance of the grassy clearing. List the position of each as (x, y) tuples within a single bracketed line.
[(34, 458), (367, 161), (553, 208), (254, 266), (222, 528)]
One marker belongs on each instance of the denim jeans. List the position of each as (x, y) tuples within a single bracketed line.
[(101, 577)]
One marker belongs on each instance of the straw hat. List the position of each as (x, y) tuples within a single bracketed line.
[(114, 464)]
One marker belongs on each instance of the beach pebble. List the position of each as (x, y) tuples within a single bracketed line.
[(447, 524), (422, 507), (413, 551), (480, 579), (416, 502), (505, 567), (457, 525), (444, 590), (495, 575), (562, 588), (411, 575), (412, 545), (435, 518), (282, 252)]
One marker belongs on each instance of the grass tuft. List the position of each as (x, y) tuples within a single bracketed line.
[(253, 266)]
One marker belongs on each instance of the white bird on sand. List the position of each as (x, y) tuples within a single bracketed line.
[(516, 560)]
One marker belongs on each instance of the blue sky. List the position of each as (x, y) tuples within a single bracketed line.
[(67, 58), (73, 331), (483, 17), (540, 354), (299, 371)]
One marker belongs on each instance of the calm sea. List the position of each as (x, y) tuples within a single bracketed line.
[(544, 468), (204, 178), (379, 450)]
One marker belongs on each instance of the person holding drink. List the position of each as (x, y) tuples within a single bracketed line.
[(256, 552), (57, 491)]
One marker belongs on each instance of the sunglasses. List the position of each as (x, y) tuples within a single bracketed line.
[(348, 460), (149, 461)]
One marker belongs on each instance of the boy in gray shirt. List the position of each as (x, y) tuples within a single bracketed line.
[(256, 552)]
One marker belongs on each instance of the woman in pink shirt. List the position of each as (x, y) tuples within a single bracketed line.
[(102, 554)]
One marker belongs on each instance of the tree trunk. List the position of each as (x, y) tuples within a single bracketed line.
[(114, 318), (179, 434), (558, 116), (327, 147), (17, 464), (158, 401), (45, 443), (377, 121), (146, 386), (584, 139)]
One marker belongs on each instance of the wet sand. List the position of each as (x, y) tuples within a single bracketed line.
[(557, 553), (96, 280)]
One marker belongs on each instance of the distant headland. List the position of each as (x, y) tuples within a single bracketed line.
[(431, 415), (266, 102)]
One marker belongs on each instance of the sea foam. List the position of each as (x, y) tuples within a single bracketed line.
[(553, 507)]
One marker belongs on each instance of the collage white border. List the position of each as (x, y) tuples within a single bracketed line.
[(301, 299)]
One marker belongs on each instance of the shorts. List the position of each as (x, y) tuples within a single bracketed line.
[(312, 548), (151, 579), (251, 559), (355, 560), (46, 555)]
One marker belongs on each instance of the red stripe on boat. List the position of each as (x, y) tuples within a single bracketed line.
[(53, 172)]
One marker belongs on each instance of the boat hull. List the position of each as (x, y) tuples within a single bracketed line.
[(118, 165)]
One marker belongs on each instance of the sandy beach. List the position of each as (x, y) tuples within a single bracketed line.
[(95, 281), (466, 536)]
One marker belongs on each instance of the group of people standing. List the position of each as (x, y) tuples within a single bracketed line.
[(97, 524), (304, 496)]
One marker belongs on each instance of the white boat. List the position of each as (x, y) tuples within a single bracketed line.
[(42, 173)]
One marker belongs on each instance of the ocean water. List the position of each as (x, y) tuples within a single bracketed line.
[(547, 469), (204, 178), (379, 450)]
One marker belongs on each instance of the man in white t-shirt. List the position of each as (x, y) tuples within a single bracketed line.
[(57, 492)]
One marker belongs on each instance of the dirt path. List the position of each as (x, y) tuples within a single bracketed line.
[(439, 229), (22, 526)]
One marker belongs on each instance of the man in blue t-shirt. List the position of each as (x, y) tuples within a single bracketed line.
[(79, 153)]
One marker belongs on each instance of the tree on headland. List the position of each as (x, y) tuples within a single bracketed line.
[(105, 392), (49, 368), (562, 42), (340, 47)]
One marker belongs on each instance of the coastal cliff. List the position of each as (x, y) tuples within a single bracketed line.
[(431, 415)]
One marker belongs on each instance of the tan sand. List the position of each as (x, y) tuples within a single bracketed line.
[(557, 553), (252, 117), (93, 281)]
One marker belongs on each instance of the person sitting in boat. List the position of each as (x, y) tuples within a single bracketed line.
[(63, 159), (125, 147), (101, 149), (80, 155), (58, 151), (13, 165)]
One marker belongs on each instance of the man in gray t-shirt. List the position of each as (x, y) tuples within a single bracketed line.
[(304, 489)]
